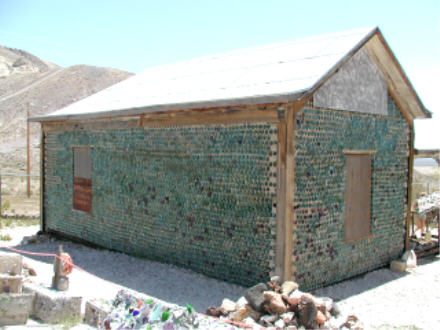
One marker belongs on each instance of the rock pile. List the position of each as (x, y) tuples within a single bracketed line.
[(283, 306)]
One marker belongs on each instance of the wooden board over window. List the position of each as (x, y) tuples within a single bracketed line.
[(82, 179), (358, 197)]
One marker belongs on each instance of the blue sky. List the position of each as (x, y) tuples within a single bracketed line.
[(133, 35)]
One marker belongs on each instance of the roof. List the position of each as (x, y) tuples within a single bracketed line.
[(273, 73)]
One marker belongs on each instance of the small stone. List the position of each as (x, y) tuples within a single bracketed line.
[(398, 266), (328, 316), (241, 302), (215, 311), (280, 324), (253, 313), (277, 305), (250, 321), (275, 280), (293, 301), (320, 317), (30, 269), (328, 302), (268, 320), (269, 295), (287, 317), (228, 305), (255, 297), (307, 312), (288, 287), (410, 258), (335, 311), (292, 327), (239, 315)]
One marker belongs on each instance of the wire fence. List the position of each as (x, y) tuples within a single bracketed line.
[(19, 194)]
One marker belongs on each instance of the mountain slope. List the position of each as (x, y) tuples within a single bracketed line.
[(28, 83)]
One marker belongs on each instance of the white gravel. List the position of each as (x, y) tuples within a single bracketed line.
[(385, 299), (380, 299), (110, 271)]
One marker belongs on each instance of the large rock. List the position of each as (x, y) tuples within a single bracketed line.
[(308, 312), (255, 297)]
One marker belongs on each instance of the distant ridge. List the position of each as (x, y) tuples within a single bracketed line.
[(28, 83)]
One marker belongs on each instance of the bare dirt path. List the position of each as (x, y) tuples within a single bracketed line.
[(34, 83)]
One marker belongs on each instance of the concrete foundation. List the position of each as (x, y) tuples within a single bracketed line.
[(10, 284), (95, 313), (52, 306), (15, 308), (11, 263)]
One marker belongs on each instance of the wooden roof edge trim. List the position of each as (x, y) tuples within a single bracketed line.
[(426, 112), (427, 151), (174, 108), (333, 70)]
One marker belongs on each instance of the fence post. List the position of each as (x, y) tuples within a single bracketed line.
[(28, 158)]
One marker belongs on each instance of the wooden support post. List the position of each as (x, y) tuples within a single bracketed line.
[(289, 192), (409, 193), (42, 223), (281, 194), (57, 268), (28, 158)]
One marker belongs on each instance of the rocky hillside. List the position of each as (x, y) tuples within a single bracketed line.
[(28, 83)]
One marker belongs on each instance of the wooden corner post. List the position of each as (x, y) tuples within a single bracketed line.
[(284, 227), (290, 186), (409, 194), (42, 165)]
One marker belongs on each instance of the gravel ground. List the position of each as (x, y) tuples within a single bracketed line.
[(110, 271), (380, 299), (385, 299)]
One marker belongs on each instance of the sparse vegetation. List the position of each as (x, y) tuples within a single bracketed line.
[(5, 237), (24, 222)]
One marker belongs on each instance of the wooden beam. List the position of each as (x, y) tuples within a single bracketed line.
[(358, 152), (225, 116), (281, 197), (42, 220), (289, 193), (409, 194)]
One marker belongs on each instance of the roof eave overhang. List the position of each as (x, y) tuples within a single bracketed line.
[(399, 84), (176, 107)]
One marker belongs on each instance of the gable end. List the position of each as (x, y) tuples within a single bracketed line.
[(358, 86)]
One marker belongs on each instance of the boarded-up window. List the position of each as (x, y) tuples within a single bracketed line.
[(358, 197), (82, 179)]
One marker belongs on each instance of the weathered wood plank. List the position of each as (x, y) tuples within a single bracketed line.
[(82, 194)]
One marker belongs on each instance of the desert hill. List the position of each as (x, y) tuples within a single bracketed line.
[(28, 83)]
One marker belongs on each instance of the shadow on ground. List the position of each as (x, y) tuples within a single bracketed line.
[(166, 282), (367, 281)]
